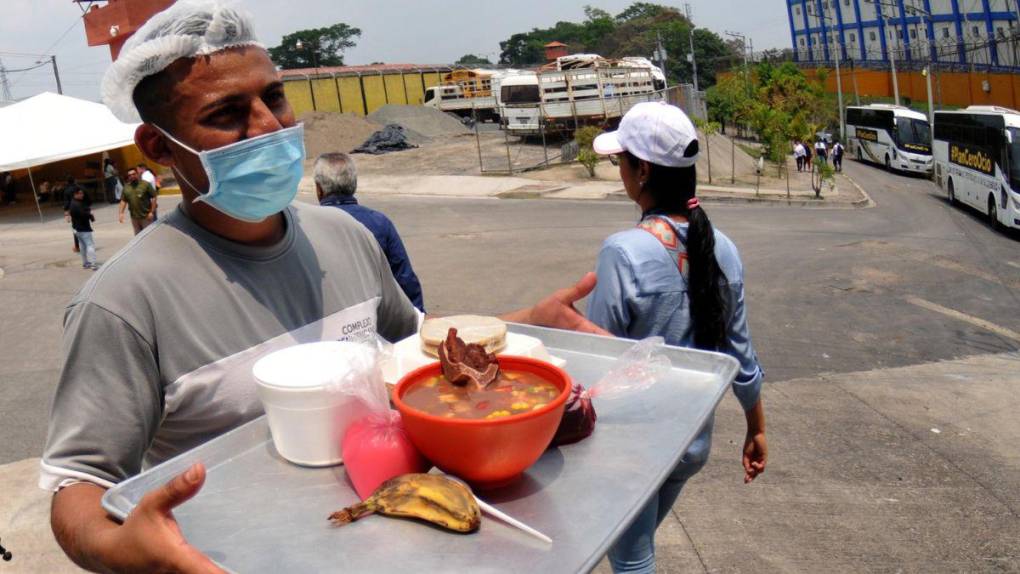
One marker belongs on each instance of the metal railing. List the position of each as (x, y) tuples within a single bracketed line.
[(549, 139)]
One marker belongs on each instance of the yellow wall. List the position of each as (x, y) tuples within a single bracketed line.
[(357, 92), (85, 170), (298, 94), (415, 93), (350, 94), (325, 95), (395, 89), (432, 79), (375, 94)]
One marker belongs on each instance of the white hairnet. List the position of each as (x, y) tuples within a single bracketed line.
[(186, 29)]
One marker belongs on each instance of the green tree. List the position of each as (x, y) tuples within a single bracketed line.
[(597, 25), (319, 47), (471, 60), (633, 32), (708, 129), (729, 101), (779, 103), (640, 10), (586, 155)]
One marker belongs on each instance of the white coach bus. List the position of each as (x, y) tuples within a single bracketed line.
[(894, 136), (977, 160)]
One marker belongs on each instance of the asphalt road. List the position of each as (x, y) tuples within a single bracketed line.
[(910, 281), (829, 290)]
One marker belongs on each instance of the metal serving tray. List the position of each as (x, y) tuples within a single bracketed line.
[(259, 513)]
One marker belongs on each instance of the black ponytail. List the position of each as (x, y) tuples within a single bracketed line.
[(671, 189)]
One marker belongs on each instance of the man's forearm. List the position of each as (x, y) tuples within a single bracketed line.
[(79, 524)]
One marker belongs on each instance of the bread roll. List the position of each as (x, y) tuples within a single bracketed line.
[(489, 332)]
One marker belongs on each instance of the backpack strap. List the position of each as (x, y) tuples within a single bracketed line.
[(662, 229)]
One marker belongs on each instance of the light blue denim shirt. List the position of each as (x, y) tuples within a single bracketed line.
[(641, 293)]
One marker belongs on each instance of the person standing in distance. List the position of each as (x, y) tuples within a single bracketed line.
[(81, 221), (837, 156)]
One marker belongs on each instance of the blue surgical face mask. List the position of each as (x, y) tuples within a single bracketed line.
[(254, 178)]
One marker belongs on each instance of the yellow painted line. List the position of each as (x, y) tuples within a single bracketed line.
[(953, 313)]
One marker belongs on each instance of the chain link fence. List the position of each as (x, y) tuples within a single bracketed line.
[(503, 149)]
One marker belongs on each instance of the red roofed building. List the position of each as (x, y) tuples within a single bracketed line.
[(555, 50)]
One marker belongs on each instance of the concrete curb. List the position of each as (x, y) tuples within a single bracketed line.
[(867, 202), (709, 196)]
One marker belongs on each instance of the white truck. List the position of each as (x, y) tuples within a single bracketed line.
[(468, 93), (584, 89)]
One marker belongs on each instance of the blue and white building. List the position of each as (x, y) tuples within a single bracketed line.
[(954, 33)]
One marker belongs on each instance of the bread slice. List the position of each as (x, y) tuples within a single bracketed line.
[(488, 332)]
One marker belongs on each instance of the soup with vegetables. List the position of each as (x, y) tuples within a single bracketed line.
[(513, 393)]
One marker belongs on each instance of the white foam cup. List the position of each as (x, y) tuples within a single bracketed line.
[(297, 386)]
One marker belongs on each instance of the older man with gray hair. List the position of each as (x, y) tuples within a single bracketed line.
[(336, 180)]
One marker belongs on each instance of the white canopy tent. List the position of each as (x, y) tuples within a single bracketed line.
[(51, 127)]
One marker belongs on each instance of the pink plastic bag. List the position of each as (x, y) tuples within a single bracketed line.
[(376, 448)]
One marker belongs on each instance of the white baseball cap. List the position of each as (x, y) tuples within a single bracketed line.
[(655, 132)]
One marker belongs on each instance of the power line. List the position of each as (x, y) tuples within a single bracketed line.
[(53, 45), (21, 70)]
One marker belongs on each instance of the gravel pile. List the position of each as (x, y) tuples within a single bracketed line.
[(421, 123), (327, 132)]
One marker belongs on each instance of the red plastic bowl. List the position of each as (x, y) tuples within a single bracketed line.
[(485, 453)]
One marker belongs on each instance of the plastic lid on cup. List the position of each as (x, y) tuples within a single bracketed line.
[(312, 365)]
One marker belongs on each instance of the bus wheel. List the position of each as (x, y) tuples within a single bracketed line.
[(993, 213), (952, 193)]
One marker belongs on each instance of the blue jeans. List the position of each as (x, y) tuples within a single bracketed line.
[(635, 550), (88, 248)]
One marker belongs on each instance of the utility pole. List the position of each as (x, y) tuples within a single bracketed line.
[(5, 87), (660, 53), (892, 53), (56, 74), (694, 60), (839, 76), (853, 76), (743, 45)]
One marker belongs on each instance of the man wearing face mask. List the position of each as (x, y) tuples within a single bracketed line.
[(159, 344)]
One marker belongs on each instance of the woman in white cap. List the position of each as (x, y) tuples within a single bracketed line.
[(676, 277)]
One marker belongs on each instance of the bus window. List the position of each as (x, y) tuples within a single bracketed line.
[(913, 133), (1014, 159)]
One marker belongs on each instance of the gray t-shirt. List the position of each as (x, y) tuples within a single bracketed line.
[(159, 344)]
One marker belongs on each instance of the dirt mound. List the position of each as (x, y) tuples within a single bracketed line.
[(327, 132), (723, 157), (419, 121)]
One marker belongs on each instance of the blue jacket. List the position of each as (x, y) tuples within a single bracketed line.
[(641, 293), (386, 234)]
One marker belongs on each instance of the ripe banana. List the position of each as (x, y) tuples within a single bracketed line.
[(429, 497)]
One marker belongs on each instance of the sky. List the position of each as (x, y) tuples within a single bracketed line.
[(392, 31)]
